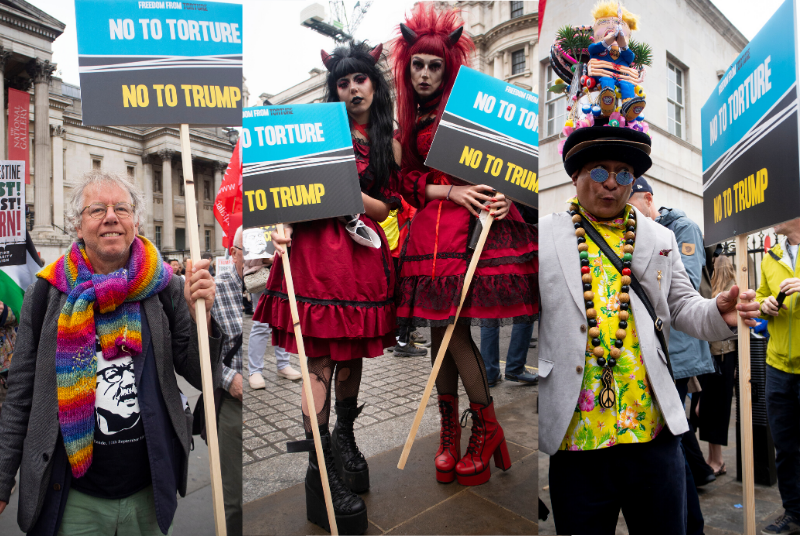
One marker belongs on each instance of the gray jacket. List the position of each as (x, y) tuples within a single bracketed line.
[(562, 332), (29, 429)]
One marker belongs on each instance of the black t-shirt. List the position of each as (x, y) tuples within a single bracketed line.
[(120, 466)]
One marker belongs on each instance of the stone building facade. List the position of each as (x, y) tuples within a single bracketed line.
[(505, 36), (62, 148), (693, 44)]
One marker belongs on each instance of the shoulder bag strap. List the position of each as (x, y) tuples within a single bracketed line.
[(635, 285)]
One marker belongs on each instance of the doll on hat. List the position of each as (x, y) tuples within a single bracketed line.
[(611, 59)]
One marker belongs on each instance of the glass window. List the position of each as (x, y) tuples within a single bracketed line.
[(180, 239), (95, 164), (208, 240), (158, 237), (207, 190), (518, 62), (556, 106), (517, 9), (157, 182), (180, 187), (676, 83), (130, 172)]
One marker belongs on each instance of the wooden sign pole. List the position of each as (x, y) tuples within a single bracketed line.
[(202, 335), (745, 397), (312, 411), (423, 403)]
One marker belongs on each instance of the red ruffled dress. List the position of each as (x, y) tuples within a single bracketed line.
[(435, 257), (345, 291)]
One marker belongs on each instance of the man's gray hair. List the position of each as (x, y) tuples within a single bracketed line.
[(237, 238), (96, 176)]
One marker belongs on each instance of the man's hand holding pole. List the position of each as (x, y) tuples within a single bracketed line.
[(748, 308)]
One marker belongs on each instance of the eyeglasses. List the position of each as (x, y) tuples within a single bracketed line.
[(237, 247), (623, 177), (98, 210)]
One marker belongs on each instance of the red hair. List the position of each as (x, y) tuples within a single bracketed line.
[(433, 29)]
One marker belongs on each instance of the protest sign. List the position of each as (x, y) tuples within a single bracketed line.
[(258, 243), (751, 162), (19, 106), (489, 134), (298, 163), (224, 264), (160, 63), (12, 213)]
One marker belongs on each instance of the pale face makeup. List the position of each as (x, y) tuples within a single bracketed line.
[(427, 73), (356, 92)]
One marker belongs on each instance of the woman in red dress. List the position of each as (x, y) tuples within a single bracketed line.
[(426, 58), (344, 281)]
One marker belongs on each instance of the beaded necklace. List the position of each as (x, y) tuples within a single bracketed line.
[(608, 395)]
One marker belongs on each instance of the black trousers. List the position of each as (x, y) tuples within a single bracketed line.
[(647, 481)]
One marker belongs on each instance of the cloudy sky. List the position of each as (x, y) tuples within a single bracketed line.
[(278, 51)]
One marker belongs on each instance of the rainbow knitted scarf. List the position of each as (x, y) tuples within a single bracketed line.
[(109, 305)]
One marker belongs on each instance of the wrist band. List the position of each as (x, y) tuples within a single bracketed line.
[(448, 192)]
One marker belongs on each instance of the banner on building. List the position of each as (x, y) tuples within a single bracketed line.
[(160, 63), (751, 161), (298, 164), (19, 106), (12, 213), (489, 134)]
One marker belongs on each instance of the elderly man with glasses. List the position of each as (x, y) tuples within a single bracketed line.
[(94, 416)]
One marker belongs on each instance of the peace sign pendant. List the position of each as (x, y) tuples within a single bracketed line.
[(608, 397)]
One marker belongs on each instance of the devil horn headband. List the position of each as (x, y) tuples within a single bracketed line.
[(376, 52), (455, 35), (326, 60), (408, 34), (411, 36)]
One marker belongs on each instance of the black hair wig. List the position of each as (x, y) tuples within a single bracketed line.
[(358, 57)]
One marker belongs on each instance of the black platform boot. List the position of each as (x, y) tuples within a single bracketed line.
[(349, 508), (349, 461)]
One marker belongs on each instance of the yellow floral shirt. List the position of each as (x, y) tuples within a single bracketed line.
[(636, 417)]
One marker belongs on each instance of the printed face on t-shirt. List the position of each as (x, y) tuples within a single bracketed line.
[(116, 403)]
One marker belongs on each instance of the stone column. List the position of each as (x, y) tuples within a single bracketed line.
[(147, 227), (219, 171), (41, 71), (498, 66), (59, 133), (4, 54), (168, 231)]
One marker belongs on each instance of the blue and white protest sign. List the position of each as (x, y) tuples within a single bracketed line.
[(751, 162), (489, 134), (298, 164), (160, 63)]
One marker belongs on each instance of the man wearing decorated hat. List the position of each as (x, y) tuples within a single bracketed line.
[(612, 285)]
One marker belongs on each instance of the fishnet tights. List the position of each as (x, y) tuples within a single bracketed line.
[(347, 375), (461, 359)]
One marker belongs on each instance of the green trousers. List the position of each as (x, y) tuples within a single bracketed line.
[(85, 515)]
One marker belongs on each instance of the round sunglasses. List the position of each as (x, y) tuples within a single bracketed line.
[(623, 177)]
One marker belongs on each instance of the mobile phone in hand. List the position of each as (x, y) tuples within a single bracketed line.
[(781, 297)]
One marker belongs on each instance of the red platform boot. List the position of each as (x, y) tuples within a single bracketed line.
[(450, 440), (487, 440)]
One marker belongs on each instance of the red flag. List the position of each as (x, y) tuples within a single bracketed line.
[(228, 204), (542, 4)]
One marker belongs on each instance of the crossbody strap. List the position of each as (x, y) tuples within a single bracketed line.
[(658, 324)]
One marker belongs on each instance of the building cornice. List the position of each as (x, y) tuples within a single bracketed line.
[(531, 20), (719, 22), (17, 18)]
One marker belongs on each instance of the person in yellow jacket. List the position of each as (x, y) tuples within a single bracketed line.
[(780, 272)]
